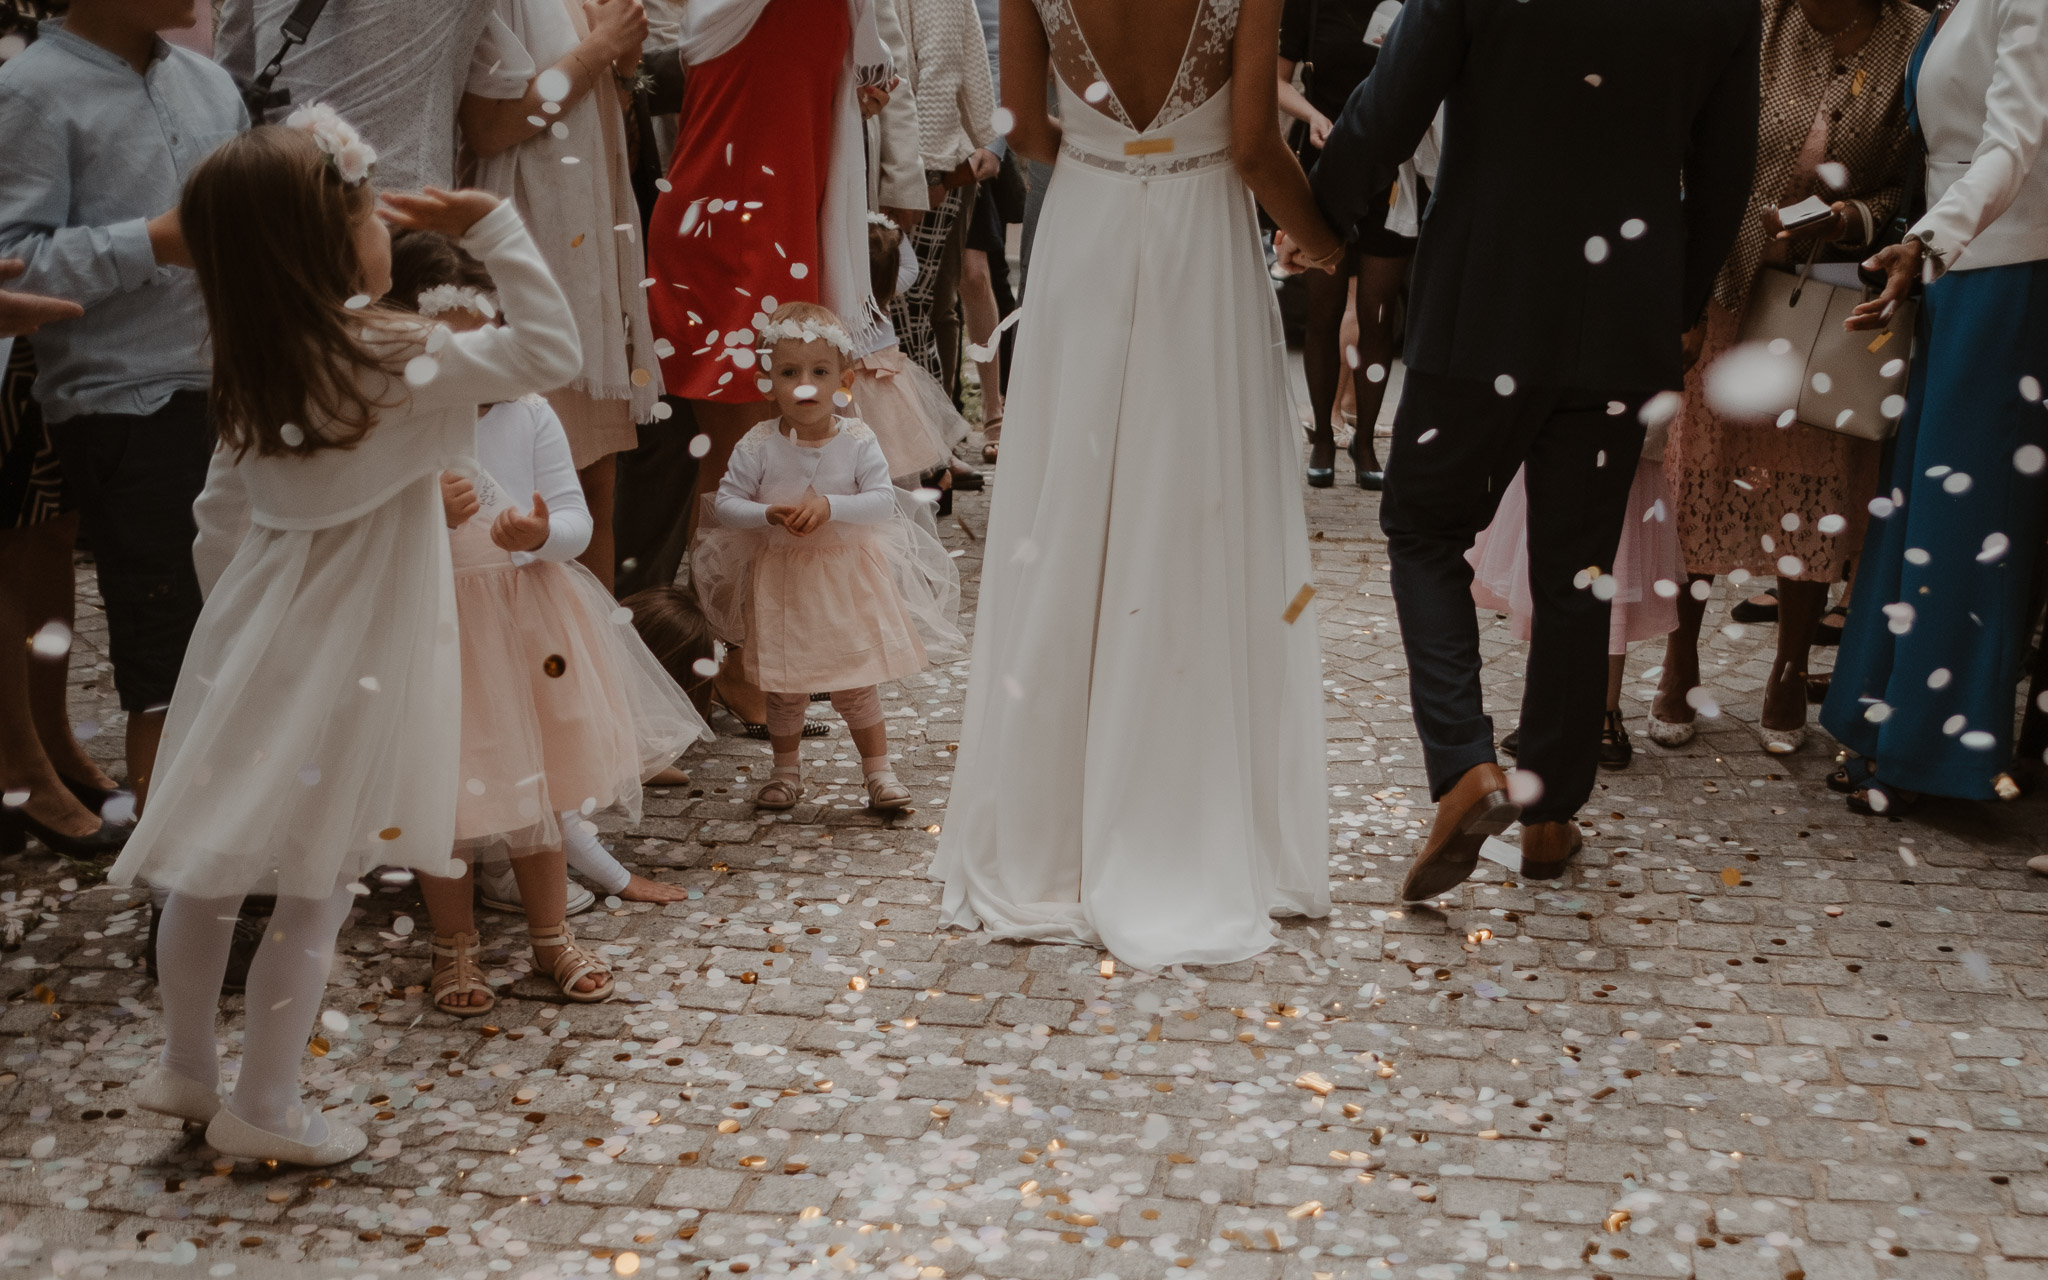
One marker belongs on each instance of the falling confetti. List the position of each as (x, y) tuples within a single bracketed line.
[(1596, 249), (1299, 603), (421, 370), (554, 666), (552, 85), (51, 640)]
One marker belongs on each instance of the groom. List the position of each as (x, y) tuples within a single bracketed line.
[(1596, 160)]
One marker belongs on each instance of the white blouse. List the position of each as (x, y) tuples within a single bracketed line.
[(1983, 104), (769, 468), (520, 444)]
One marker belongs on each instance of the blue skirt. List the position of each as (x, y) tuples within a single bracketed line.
[(1938, 621)]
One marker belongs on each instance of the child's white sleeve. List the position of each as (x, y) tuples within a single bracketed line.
[(735, 502), (534, 349), (906, 264), (874, 499), (554, 478), (222, 513)]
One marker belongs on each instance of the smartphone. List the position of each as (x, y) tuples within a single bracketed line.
[(1810, 210)]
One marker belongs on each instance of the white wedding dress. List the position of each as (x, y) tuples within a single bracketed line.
[(1141, 765)]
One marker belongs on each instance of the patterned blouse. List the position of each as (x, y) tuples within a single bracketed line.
[(1818, 107)]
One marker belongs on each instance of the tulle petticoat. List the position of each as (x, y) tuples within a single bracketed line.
[(912, 417), (1648, 553), (563, 707), (842, 608), (314, 733)]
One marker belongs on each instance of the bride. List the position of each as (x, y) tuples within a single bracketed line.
[(1141, 766)]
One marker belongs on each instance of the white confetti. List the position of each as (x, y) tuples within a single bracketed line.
[(51, 640), (1004, 120), (370, 683), (1524, 787), (1877, 713), (1978, 740), (1665, 588), (1939, 678), (1504, 385), (1426, 436), (402, 926), (1633, 229), (2028, 459), (421, 370), (14, 798), (356, 302), (1660, 409), (1892, 406), (798, 270), (701, 444), (292, 434), (1892, 368), (1955, 725), (1959, 482), (1831, 524), (1096, 92), (552, 85), (1378, 373), (1835, 174), (1750, 382), (704, 667), (1790, 566), (2030, 388), (1702, 589), (1918, 555), (334, 1020), (1995, 547), (1881, 507), (42, 1146), (1596, 249)]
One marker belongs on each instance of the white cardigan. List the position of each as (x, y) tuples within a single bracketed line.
[(1983, 104)]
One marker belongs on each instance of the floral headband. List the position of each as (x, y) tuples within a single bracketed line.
[(352, 158), (455, 297), (803, 331)]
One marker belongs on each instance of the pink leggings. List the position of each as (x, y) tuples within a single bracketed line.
[(860, 708)]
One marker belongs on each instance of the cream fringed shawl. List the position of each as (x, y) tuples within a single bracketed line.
[(570, 183)]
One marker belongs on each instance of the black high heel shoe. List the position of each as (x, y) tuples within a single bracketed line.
[(96, 798), (1373, 481), (16, 826), (1322, 477)]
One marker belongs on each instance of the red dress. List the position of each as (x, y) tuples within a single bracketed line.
[(739, 224)]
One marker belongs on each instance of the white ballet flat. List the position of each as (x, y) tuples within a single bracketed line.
[(499, 889), (1666, 734), (169, 1094), (1783, 742), (231, 1135)]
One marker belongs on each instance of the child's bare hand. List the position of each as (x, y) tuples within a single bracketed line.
[(780, 514), (458, 498), (452, 213), (516, 530), (809, 515), (641, 889)]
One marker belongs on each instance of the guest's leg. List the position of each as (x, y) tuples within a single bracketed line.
[(652, 502), (946, 294), (1444, 492), (1682, 654), (49, 593), (1800, 605), (287, 980), (1379, 291), (600, 482), (193, 938), (136, 478), (1579, 468), (978, 300), (1322, 360), (29, 559)]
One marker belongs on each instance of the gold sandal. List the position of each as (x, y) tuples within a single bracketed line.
[(783, 790), (461, 976), (573, 965)]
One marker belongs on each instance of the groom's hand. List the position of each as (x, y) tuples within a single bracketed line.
[(1287, 259)]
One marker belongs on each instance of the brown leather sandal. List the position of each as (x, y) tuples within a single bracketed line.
[(573, 965), (462, 975)]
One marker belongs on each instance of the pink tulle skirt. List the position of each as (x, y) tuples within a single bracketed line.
[(563, 707), (913, 419), (1648, 553)]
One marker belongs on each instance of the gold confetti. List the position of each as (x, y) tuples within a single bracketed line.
[(728, 1126), (577, 243), (1616, 1221), (857, 983), (1731, 876), (1300, 602), (1107, 968), (554, 665), (1879, 341), (749, 978), (641, 377), (1314, 1083), (1306, 1209), (318, 1046), (389, 833)]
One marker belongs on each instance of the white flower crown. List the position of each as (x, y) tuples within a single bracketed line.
[(455, 297), (803, 331), (878, 219), (352, 158)]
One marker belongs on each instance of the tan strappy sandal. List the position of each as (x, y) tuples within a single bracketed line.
[(783, 790), (573, 965), (885, 793), (462, 975)]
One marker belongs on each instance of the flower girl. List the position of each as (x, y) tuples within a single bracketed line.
[(817, 564), (564, 710), (313, 733)]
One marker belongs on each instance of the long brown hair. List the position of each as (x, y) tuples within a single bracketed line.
[(269, 224), (672, 626)]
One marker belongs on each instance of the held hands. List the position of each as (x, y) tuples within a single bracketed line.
[(458, 499), (452, 213), (1900, 263), (620, 28), (983, 164), (1319, 130), (24, 313), (515, 530), (1292, 260), (803, 517)]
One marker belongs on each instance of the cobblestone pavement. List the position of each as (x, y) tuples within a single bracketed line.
[(1751, 1038)]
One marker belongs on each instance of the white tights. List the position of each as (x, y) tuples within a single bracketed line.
[(287, 979)]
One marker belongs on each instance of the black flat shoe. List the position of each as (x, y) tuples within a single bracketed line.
[(1616, 751), (1829, 632), (966, 479), (1512, 744), (96, 798), (16, 826), (1748, 610), (1322, 477)]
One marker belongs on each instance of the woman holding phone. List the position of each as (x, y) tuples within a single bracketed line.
[(1749, 495)]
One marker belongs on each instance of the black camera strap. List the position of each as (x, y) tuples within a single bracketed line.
[(259, 95)]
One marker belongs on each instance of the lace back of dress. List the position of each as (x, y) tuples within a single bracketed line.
[(1204, 64)]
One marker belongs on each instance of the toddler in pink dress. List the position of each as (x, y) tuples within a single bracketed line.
[(815, 565)]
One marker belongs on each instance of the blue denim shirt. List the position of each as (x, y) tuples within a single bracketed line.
[(93, 151)]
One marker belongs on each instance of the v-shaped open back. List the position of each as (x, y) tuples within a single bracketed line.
[(1203, 70)]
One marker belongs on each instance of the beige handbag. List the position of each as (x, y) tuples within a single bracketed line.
[(1844, 383)]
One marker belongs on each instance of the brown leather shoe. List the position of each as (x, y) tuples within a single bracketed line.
[(1477, 807), (1548, 848)]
